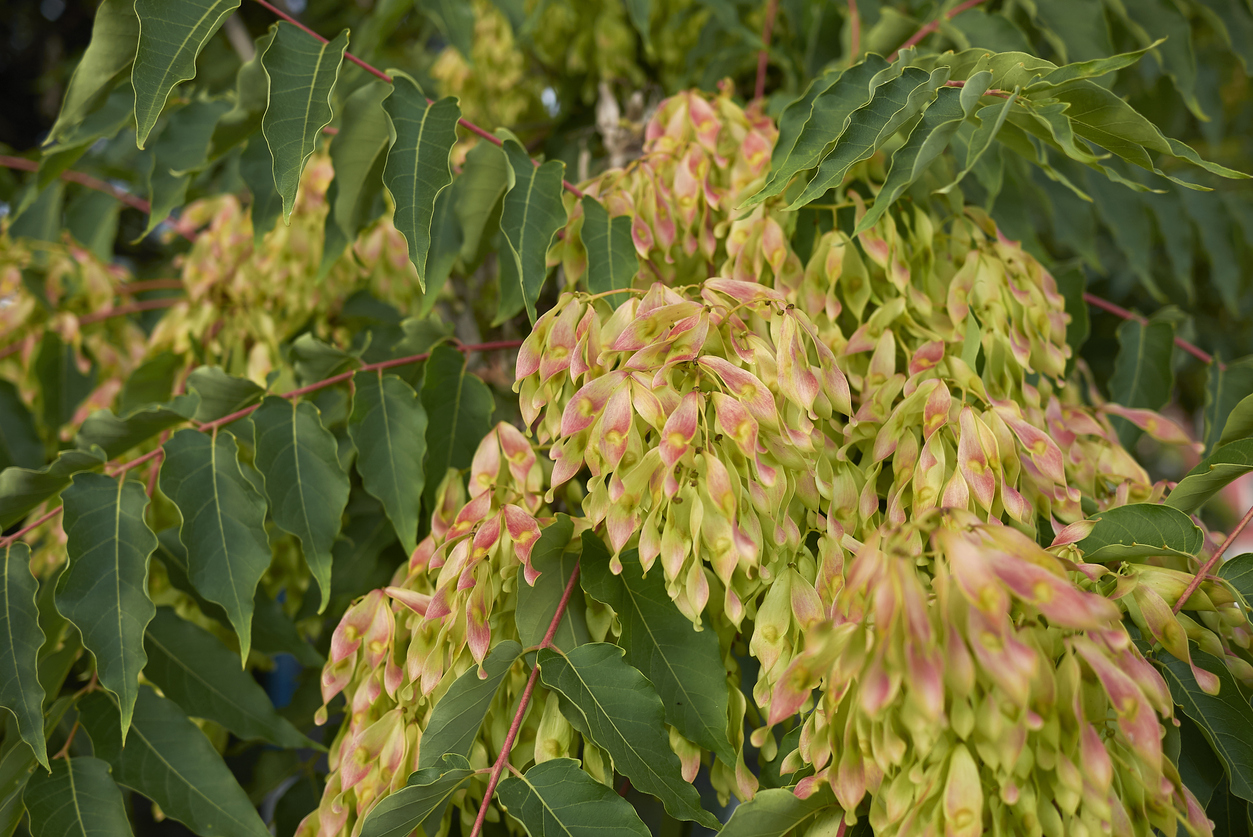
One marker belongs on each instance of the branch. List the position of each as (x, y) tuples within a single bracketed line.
[(1213, 559), (1118, 311), (133, 201), (503, 758), (375, 71), (928, 28), (122, 468), (767, 31)]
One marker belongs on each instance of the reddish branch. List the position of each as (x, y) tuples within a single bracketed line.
[(767, 31), (375, 71), (928, 28), (121, 468), (1213, 560), (129, 308), (503, 758), (1119, 311), (854, 38)]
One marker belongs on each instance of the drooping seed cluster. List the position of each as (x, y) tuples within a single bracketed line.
[(845, 465)]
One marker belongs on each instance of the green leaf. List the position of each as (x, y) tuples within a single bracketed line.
[(1239, 424), (454, 724), (1233, 21), (92, 219), (479, 189), (388, 426), (810, 125), (1225, 718), (42, 221), (306, 487), (302, 71), (196, 671), (683, 664), (256, 167), (21, 489), (1098, 115), (171, 35), (459, 414), (533, 212), (537, 604), (1143, 376), (179, 151), (314, 360), (455, 21), (991, 119), (1075, 28), (77, 799), (1162, 28), (1211, 475), (62, 386), (446, 241), (117, 435), (611, 261), (114, 39), (223, 524), (221, 394), (358, 153), (1238, 572), (558, 799), (894, 103), (617, 708), (273, 631), (1217, 233), (422, 137), (16, 766), (169, 760), (1200, 771), (1229, 814), (19, 440), (252, 94), (1072, 284), (114, 114), (775, 812), (1089, 69), (1141, 530), (151, 383), (926, 141), (104, 590), (427, 792), (20, 692)]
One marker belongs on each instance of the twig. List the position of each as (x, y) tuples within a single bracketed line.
[(928, 28), (122, 468), (1118, 311), (375, 71), (150, 285), (503, 758), (991, 91), (1213, 559), (129, 308), (854, 22), (64, 752), (763, 56), (133, 201)]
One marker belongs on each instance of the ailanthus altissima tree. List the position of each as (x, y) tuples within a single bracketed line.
[(629, 417)]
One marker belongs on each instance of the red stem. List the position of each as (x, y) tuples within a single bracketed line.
[(854, 19), (150, 285), (503, 758), (122, 468), (1119, 311), (928, 28), (375, 71), (1209, 565), (22, 164), (767, 31)]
